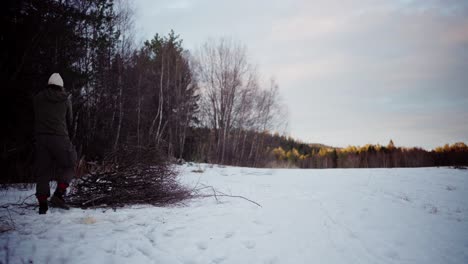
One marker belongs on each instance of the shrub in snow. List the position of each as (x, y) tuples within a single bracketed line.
[(129, 176)]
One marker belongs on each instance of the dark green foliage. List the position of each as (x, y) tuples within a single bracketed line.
[(121, 95), (39, 37), (141, 96)]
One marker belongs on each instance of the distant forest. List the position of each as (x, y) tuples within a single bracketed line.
[(368, 156), (208, 105)]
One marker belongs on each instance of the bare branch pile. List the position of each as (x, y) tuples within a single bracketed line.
[(127, 177)]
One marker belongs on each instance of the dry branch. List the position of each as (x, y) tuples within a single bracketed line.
[(217, 194), (127, 177)]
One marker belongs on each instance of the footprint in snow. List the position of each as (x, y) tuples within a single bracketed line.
[(170, 232), (249, 244), (202, 246), (450, 188), (229, 235), (218, 260), (432, 209), (392, 254), (272, 260), (151, 238)]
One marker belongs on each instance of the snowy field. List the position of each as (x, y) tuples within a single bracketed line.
[(307, 216)]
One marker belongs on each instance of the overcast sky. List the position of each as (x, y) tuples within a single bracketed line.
[(351, 72)]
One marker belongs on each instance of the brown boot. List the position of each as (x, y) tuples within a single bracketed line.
[(58, 202)]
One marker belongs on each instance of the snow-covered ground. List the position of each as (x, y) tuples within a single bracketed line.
[(307, 216)]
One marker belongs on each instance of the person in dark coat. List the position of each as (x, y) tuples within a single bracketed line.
[(55, 156)]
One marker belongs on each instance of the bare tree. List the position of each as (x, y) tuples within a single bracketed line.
[(124, 25), (234, 103), (225, 75)]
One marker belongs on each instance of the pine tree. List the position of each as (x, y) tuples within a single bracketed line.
[(390, 145)]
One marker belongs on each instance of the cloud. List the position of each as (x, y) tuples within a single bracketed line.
[(351, 71), (388, 49)]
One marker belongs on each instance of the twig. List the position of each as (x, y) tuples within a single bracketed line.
[(11, 219), (221, 194), (92, 200)]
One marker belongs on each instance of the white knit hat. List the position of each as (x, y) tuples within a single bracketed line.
[(55, 79)]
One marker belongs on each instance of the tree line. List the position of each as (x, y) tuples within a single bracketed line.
[(370, 156), (210, 104), (207, 105)]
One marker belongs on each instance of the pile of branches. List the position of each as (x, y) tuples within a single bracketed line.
[(129, 176)]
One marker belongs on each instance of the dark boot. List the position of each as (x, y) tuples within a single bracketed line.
[(58, 202), (57, 199), (43, 205)]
